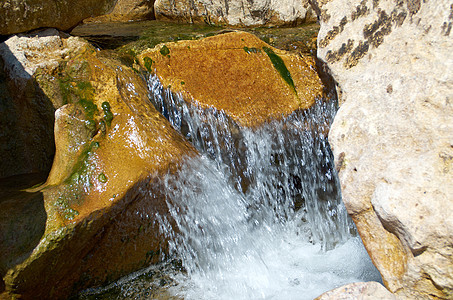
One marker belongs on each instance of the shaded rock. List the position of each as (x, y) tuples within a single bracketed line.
[(100, 198), (127, 10), (359, 290), (22, 220), (235, 12), (26, 126), (236, 72), (393, 134), (19, 16)]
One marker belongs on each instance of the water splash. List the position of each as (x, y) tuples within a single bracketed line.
[(259, 215), (284, 168)]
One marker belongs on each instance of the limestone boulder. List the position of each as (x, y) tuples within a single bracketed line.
[(235, 12), (26, 126), (359, 290), (126, 11), (96, 212), (237, 73), (393, 134), (20, 16)]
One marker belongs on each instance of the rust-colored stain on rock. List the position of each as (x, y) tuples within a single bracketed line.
[(233, 73), (100, 197)]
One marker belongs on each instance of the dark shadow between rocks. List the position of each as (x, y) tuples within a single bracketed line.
[(22, 220), (27, 120), (329, 83), (27, 149)]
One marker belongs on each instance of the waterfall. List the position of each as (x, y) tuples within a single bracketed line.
[(259, 214)]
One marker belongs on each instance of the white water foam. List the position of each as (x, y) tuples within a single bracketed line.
[(259, 215), (230, 255)]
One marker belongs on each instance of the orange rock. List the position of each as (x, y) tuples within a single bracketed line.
[(238, 73), (100, 198)]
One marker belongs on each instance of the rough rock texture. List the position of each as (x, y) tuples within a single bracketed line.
[(19, 16), (393, 134), (238, 73), (128, 10), (235, 12), (100, 198), (359, 290), (26, 126)]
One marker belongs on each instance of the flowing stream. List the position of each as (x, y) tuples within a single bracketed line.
[(257, 216)]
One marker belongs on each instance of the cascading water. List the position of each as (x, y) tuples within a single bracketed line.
[(258, 215)]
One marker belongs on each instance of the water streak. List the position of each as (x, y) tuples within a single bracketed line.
[(259, 215)]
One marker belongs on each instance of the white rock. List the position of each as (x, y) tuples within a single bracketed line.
[(393, 134), (359, 290), (23, 54), (235, 12)]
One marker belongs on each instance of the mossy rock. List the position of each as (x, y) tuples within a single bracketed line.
[(111, 143), (236, 72)]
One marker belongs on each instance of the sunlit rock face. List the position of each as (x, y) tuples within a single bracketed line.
[(100, 198), (393, 134), (359, 290), (128, 10), (235, 12), (20, 16), (237, 73)]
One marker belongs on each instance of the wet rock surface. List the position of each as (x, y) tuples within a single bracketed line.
[(138, 36), (98, 203), (392, 136), (237, 73)]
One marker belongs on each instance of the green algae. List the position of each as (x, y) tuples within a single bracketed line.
[(108, 115), (148, 64), (280, 66), (102, 178), (165, 51), (157, 32), (74, 89), (148, 34), (252, 50), (72, 191), (65, 89), (89, 107), (70, 214)]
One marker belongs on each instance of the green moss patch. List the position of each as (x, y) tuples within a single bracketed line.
[(165, 51), (102, 178), (73, 189), (148, 64), (108, 115), (280, 66), (252, 50)]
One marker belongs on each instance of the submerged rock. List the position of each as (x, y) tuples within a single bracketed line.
[(20, 16), (100, 199), (393, 135), (235, 12), (237, 73)]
